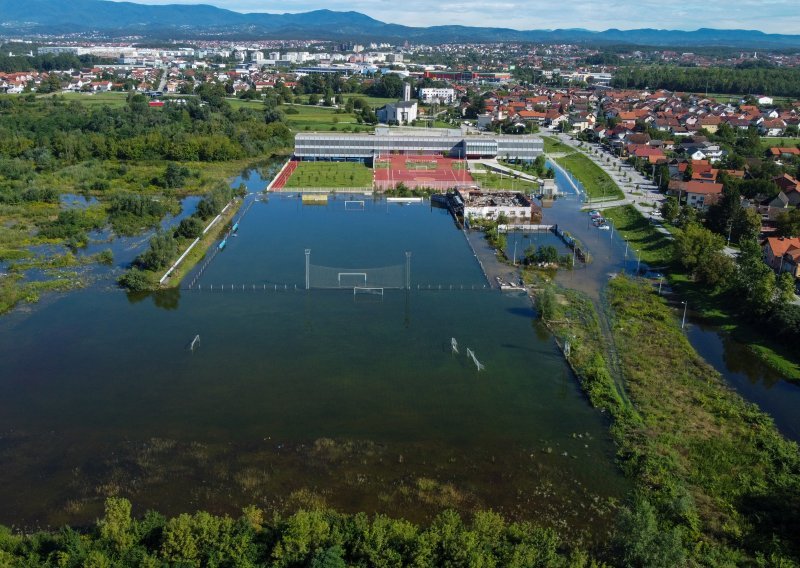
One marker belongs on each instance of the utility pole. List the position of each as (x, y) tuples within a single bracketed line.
[(683, 321), (639, 262)]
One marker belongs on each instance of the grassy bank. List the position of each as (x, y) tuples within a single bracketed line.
[(713, 306), (654, 247), (554, 145), (713, 465), (198, 252), (573, 320), (595, 181)]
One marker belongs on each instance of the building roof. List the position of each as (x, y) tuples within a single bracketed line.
[(781, 245), (704, 188)]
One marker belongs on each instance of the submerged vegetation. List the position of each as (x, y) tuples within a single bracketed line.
[(130, 162)]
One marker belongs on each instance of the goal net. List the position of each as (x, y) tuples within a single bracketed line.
[(389, 277), (355, 205)]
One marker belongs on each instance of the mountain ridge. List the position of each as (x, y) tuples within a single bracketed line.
[(183, 21)]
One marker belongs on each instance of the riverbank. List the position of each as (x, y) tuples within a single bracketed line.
[(199, 251), (708, 466), (714, 465), (712, 306), (597, 183)]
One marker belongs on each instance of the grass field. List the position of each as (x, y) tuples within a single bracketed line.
[(112, 99), (321, 119), (330, 174), (494, 180), (655, 248), (595, 181), (779, 142), (554, 145)]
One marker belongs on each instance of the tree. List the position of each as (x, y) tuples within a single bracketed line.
[(175, 175), (754, 281), (190, 228), (700, 250), (163, 249), (670, 209), (788, 223)]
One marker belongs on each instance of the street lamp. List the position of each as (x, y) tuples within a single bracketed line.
[(612, 228), (660, 282), (639, 262), (626, 249), (683, 321)]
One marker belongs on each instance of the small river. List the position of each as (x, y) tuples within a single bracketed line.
[(741, 369)]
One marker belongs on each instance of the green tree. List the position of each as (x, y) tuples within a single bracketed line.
[(670, 209), (116, 525), (754, 281)]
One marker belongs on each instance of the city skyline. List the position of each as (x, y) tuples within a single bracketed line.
[(774, 16)]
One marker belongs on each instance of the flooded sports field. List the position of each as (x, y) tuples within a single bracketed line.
[(367, 400)]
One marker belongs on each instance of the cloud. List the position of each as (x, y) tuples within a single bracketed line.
[(771, 16)]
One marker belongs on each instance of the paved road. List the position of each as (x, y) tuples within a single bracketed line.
[(616, 168)]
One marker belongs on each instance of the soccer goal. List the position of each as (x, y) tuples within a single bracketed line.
[(355, 205), (353, 279)]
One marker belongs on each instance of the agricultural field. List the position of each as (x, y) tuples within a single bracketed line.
[(330, 175)]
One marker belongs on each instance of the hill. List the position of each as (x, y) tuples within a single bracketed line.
[(119, 19)]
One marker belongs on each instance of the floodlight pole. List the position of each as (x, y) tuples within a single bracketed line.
[(308, 266), (408, 270)]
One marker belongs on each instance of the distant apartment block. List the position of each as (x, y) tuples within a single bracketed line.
[(436, 95)]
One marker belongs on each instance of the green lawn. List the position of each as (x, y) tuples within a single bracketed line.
[(655, 248), (321, 119), (554, 145), (330, 174), (494, 180), (595, 181), (112, 99), (779, 142)]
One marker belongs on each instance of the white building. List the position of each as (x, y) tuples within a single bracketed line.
[(257, 57), (436, 95), (479, 205), (403, 112), (275, 55)]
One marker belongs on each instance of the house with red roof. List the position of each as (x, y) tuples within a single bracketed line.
[(782, 254), (701, 194)]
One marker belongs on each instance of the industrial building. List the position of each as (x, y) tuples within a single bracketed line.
[(418, 141)]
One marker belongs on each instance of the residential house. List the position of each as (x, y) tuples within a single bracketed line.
[(783, 254)]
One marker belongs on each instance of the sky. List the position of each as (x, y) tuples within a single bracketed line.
[(771, 16)]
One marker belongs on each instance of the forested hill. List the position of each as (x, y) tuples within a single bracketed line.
[(194, 20)]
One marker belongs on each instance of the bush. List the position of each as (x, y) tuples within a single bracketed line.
[(163, 249), (135, 280), (190, 228)]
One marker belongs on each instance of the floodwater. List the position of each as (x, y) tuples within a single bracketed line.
[(742, 370), (295, 397)]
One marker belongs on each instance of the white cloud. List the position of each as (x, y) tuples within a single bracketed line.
[(771, 16)]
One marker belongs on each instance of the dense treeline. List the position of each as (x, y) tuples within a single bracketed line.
[(777, 81), (315, 538), (47, 62), (54, 133)]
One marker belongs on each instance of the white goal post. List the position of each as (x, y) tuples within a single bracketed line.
[(355, 205), (352, 279)]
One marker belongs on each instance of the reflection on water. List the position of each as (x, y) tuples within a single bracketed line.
[(296, 396), (749, 376)]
